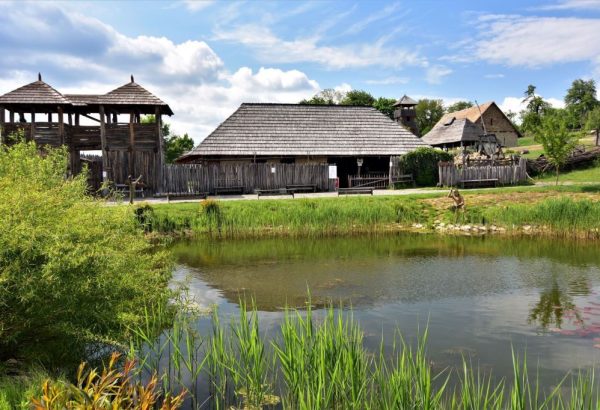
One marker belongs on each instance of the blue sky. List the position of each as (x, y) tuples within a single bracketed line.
[(204, 58)]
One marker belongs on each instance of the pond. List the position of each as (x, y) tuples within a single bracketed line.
[(479, 297)]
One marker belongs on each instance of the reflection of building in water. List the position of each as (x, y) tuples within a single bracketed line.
[(364, 272)]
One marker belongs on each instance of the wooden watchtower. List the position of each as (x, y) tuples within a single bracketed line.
[(129, 148), (406, 114)]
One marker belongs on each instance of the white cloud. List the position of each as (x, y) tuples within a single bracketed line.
[(389, 80), (343, 88), (536, 41), (574, 5), (436, 73), (516, 104), (493, 76), (189, 75), (309, 49), (379, 15), (197, 5)]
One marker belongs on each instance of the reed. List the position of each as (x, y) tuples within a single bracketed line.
[(317, 360)]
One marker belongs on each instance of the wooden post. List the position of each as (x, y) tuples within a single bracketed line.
[(160, 157), (70, 119), (2, 125), (49, 117), (105, 175), (131, 145), (77, 119), (12, 117), (61, 126), (390, 172), (32, 129)]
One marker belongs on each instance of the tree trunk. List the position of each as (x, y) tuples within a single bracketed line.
[(557, 170), (597, 136)]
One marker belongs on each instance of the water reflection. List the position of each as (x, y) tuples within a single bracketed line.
[(550, 309)]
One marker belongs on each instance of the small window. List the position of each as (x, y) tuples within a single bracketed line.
[(491, 121), (407, 119)]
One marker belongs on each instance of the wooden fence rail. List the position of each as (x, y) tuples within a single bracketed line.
[(192, 179), (451, 175)]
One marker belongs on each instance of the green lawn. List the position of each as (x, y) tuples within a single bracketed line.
[(525, 141), (580, 175)]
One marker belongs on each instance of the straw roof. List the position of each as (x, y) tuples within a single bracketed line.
[(294, 129), (455, 131)]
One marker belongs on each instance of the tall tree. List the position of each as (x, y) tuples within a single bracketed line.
[(358, 97), (328, 96), (557, 140), (531, 117), (428, 113), (592, 123), (385, 105), (459, 105), (581, 99), (176, 146)]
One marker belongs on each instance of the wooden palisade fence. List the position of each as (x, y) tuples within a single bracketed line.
[(512, 173), (194, 179)]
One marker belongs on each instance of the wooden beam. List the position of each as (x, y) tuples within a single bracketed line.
[(77, 119), (131, 146), (61, 126), (11, 117), (49, 117), (70, 119), (2, 125), (101, 120), (32, 129), (105, 174), (160, 156)]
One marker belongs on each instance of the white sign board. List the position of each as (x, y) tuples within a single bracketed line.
[(104, 174), (332, 171), (272, 170)]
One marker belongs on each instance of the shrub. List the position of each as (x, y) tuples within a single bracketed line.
[(423, 164), (111, 389), (74, 273)]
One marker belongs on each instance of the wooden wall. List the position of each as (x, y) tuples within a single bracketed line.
[(194, 179)]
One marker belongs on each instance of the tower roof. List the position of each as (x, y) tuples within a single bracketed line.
[(405, 100)]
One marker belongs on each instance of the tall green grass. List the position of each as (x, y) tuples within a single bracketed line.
[(317, 360), (561, 215)]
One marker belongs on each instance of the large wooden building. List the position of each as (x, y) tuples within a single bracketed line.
[(355, 139), (464, 127), (128, 147)]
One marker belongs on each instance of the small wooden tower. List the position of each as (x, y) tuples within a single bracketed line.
[(406, 114)]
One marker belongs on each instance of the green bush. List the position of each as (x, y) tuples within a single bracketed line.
[(74, 273), (423, 164)]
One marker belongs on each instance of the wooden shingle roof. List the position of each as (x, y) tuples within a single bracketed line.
[(405, 100), (133, 94), (455, 131), (36, 93), (472, 114), (294, 129)]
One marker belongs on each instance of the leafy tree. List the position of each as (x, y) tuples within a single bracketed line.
[(428, 113), (74, 273), (592, 123), (328, 96), (423, 164), (531, 117), (557, 140), (581, 99), (358, 97), (459, 105), (176, 146), (385, 105)]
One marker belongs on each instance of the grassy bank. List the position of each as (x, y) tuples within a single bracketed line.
[(563, 210)]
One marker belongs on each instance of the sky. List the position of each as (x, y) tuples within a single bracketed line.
[(204, 58)]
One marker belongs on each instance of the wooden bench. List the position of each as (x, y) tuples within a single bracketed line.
[(182, 195), (475, 183), (301, 188), (237, 189), (355, 190), (124, 189), (277, 191)]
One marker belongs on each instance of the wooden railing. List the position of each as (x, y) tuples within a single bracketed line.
[(370, 180)]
